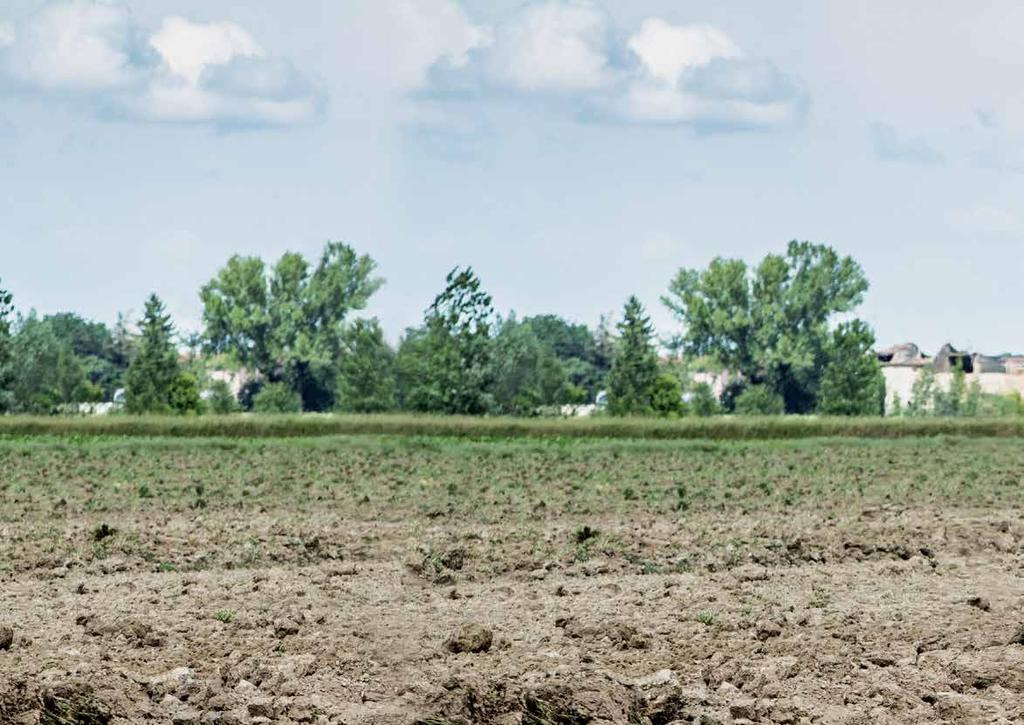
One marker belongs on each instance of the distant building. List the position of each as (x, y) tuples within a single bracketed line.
[(902, 364)]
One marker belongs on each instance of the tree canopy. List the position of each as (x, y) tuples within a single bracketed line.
[(445, 366), (6, 310), (287, 324), (770, 324)]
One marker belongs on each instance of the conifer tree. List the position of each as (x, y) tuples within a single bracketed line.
[(154, 368), (634, 373)]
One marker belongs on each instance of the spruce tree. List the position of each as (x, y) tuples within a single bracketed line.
[(6, 308), (634, 372), (154, 368)]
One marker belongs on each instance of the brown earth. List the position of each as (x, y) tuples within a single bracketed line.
[(295, 610), (888, 616)]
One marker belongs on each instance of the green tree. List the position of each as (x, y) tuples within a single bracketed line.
[(445, 366), (93, 346), (43, 372), (972, 401), (277, 398), (6, 310), (154, 370), (852, 383), (183, 395), (366, 370), (950, 402), (667, 396), (703, 402), (577, 350), (72, 385), (221, 400), (527, 372), (770, 324), (287, 324), (759, 400), (634, 373), (922, 393)]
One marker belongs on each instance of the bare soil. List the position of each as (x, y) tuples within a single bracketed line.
[(885, 613)]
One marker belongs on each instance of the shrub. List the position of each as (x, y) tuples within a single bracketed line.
[(703, 402), (759, 400), (277, 398), (183, 395), (667, 396), (221, 400)]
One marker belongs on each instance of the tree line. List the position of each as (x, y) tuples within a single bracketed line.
[(780, 329)]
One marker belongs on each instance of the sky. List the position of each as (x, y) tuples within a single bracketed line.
[(572, 152)]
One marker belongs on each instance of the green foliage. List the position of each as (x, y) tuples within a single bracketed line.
[(852, 383), (667, 396), (43, 373), (719, 428), (950, 402), (183, 395), (277, 398), (771, 324), (220, 400), (366, 370), (526, 372), (154, 370), (445, 366), (6, 310), (703, 402), (634, 373), (972, 399), (586, 358), (759, 400), (96, 349), (922, 393), (288, 324)]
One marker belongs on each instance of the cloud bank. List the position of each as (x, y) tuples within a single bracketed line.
[(567, 52), (181, 72), (891, 145)]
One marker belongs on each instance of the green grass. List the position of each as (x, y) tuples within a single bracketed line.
[(310, 425), (391, 478)]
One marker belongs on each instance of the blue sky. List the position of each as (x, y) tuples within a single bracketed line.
[(572, 152)]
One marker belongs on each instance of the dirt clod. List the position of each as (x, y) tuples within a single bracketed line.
[(6, 637), (767, 630), (470, 638), (980, 603)]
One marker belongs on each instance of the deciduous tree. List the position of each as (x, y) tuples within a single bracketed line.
[(852, 383), (770, 324), (366, 370), (287, 324), (445, 366)]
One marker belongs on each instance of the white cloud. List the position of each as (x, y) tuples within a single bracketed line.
[(661, 74), (697, 75), (556, 46), (892, 145), (187, 48), (667, 50), (434, 30), (78, 45), (184, 72)]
